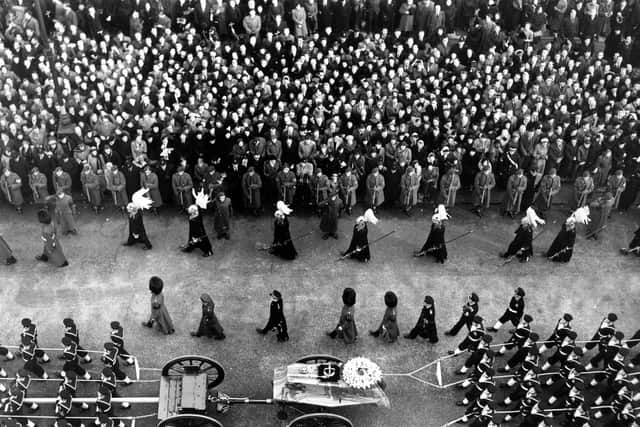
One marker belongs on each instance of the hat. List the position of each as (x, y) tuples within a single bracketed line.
[(567, 317), (534, 337), (349, 296), (474, 297), (68, 321), (478, 319), (66, 340), (573, 335), (619, 335), (612, 317), (276, 294), (490, 371), (487, 338), (440, 214), (107, 372), (109, 346), (115, 324), (520, 292), (491, 388), (390, 299), (528, 318), (4, 351), (489, 353), (26, 322), (578, 351), (283, 207), (428, 299)]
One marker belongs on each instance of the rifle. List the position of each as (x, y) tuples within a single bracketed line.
[(595, 231), (266, 247), (348, 254), (448, 241), (508, 260), (561, 251)]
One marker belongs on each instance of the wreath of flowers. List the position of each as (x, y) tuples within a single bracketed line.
[(361, 373)]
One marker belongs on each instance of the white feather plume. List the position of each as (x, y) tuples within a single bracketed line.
[(282, 207), (581, 215), (441, 214), (370, 217), (202, 200), (532, 218), (140, 199)]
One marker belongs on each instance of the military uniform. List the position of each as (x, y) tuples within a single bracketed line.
[(469, 311), (473, 337), (117, 338), (513, 313)]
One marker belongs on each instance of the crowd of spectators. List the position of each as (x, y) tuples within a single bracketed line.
[(311, 94)]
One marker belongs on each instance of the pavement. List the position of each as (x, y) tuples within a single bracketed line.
[(106, 281)]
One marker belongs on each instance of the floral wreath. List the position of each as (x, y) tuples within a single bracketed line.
[(361, 373)]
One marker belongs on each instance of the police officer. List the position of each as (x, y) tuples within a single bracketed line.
[(513, 313), (469, 311), (117, 338)]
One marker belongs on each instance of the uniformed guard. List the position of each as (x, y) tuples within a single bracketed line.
[(526, 406), (472, 339), (117, 338), (15, 403), (28, 350), (611, 368), (469, 311), (103, 403), (571, 362), (477, 386), (476, 407), (607, 350), (23, 381), (565, 348), (519, 335), (562, 388), (426, 324), (563, 326), (71, 331), (111, 361), (579, 417), (619, 387), (473, 360), (29, 330), (70, 384), (513, 313), (63, 407), (529, 346), (529, 381), (605, 331), (108, 379), (7, 356), (482, 366), (70, 354)]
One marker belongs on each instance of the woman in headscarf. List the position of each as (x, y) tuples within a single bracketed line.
[(282, 245), (435, 244), (52, 251), (209, 325), (346, 328), (359, 246), (197, 234), (276, 321), (389, 326), (159, 312), (426, 324)]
